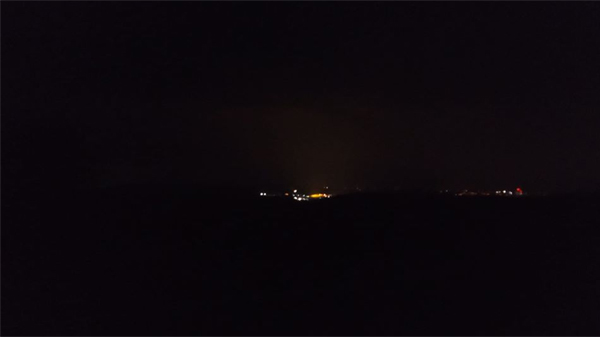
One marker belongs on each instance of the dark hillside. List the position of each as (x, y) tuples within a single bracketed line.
[(160, 261)]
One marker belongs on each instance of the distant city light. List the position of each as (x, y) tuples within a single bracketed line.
[(517, 192)]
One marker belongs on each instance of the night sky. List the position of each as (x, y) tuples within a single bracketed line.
[(302, 95)]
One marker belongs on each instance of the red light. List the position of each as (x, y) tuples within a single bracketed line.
[(519, 189)]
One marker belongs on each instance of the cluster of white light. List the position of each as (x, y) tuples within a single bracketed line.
[(504, 192), (300, 197)]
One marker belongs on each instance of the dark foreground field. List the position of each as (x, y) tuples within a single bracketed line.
[(150, 262)]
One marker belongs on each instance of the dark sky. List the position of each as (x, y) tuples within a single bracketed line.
[(462, 95)]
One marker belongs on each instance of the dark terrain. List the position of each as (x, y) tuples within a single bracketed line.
[(164, 262)]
